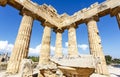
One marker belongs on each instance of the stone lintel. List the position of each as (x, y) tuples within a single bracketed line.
[(58, 30), (50, 14), (3, 2), (27, 12), (115, 11), (72, 25)]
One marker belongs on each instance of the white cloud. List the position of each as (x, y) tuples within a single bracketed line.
[(83, 46), (35, 50), (52, 50), (5, 46), (66, 44), (65, 50)]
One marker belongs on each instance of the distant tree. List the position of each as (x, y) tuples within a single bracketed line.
[(33, 58), (108, 59), (116, 61)]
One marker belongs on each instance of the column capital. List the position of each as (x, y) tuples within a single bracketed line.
[(46, 23), (72, 25), (115, 11), (58, 30), (24, 11), (95, 18), (3, 2)]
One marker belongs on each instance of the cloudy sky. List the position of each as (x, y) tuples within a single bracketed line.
[(108, 28)]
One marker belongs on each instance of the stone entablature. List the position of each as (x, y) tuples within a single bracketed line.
[(48, 13)]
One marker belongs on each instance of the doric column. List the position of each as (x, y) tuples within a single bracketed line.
[(3, 2), (95, 47), (72, 41), (58, 45), (118, 19), (21, 46), (45, 46)]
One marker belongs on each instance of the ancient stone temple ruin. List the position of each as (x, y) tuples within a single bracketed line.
[(58, 65)]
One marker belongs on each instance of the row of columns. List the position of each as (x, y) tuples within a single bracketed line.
[(45, 46), (21, 47)]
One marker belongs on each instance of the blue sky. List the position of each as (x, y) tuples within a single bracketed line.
[(108, 28)]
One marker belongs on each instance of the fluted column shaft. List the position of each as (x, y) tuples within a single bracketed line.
[(58, 45), (21, 45), (72, 42), (118, 19), (95, 47), (45, 46)]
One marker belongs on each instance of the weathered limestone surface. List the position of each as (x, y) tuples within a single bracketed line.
[(26, 68), (45, 12), (58, 45), (45, 46), (21, 46), (95, 47), (101, 10), (81, 66), (40, 12), (72, 42), (49, 73)]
